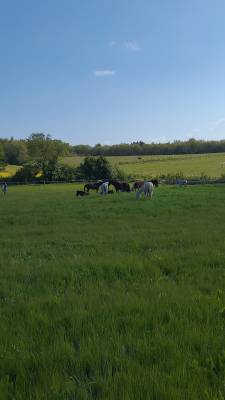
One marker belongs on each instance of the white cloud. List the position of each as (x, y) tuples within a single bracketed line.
[(102, 73), (132, 46)]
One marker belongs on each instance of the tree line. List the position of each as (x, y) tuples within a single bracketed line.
[(18, 152), (39, 158), (191, 146)]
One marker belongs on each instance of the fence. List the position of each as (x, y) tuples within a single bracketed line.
[(161, 181), (193, 182)]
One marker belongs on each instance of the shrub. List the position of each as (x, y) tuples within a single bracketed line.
[(95, 168)]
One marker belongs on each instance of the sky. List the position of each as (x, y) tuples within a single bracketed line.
[(112, 71)]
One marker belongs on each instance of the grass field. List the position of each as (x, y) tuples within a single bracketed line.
[(191, 165), (112, 298)]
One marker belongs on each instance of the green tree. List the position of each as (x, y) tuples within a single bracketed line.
[(82, 149), (95, 168), (44, 152), (2, 154), (15, 152)]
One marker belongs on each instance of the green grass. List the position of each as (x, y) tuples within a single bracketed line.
[(112, 298), (191, 165)]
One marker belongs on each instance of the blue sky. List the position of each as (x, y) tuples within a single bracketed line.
[(112, 71)]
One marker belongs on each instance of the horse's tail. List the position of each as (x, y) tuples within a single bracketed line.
[(85, 187)]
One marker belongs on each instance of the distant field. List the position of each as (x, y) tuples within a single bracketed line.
[(212, 165), (8, 171), (110, 298)]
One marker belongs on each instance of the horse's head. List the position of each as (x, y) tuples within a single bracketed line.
[(155, 182)]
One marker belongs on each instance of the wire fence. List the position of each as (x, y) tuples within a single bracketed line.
[(79, 181)]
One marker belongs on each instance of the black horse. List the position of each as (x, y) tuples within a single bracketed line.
[(155, 182), (120, 186), (93, 186)]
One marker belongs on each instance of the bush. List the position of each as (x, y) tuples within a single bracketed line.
[(95, 168), (64, 173)]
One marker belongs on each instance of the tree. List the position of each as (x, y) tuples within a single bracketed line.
[(82, 149), (2, 154), (15, 152), (95, 168), (44, 152)]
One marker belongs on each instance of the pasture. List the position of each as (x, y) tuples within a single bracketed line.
[(112, 298), (190, 165)]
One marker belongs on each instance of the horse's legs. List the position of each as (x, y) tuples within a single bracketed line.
[(139, 192)]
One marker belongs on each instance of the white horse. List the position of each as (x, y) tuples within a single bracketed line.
[(104, 188), (147, 188)]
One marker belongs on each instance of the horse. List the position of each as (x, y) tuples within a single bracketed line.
[(147, 188), (93, 186), (138, 184), (104, 188), (120, 186), (81, 193)]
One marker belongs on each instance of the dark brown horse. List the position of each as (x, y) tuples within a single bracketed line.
[(92, 186), (138, 184), (120, 186)]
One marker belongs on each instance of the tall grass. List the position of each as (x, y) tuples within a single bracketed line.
[(112, 298)]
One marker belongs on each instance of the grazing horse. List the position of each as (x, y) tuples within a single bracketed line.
[(138, 184), (120, 186), (147, 188), (93, 186), (104, 188)]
